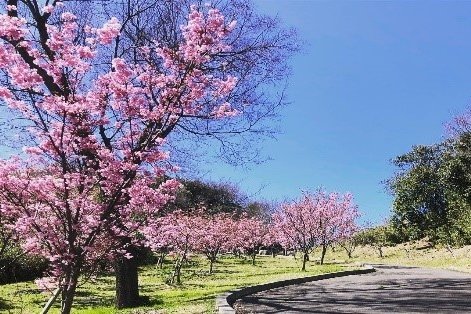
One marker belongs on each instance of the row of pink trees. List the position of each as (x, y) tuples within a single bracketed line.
[(315, 220), (210, 235)]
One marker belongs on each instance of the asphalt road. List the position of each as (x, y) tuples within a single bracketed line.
[(391, 289)]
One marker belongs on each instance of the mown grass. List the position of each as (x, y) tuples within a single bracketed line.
[(196, 294)]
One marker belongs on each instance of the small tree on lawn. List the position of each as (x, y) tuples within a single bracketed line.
[(297, 227), (336, 216), (179, 232), (215, 234), (377, 237), (252, 234), (349, 245)]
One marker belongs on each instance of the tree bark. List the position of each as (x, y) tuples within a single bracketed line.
[(211, 262), (160, 261), (176, 276), (177, 271), (324, 250), (68, 292), (305, 259), (253, 258), (127, 281)]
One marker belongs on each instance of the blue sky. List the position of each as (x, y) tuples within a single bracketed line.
[(374, 78)]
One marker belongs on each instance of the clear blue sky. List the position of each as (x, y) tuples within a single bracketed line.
[(374, 79)]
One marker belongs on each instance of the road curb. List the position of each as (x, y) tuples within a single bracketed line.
[(224, 302)]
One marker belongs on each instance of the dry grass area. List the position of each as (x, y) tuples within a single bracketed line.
[(418, 253)]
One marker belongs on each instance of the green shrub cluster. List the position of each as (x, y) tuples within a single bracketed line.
[(432, 192), (15, 266)]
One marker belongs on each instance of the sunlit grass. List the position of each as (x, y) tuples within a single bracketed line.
[(196, 294), (411, 254)]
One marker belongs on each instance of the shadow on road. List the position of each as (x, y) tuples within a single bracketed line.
[(391, 290)]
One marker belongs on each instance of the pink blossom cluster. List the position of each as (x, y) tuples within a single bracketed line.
[(216, 234), (316, 219), (252, 233), (211, 235)]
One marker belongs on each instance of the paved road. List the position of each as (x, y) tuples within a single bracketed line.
[(390, 289)]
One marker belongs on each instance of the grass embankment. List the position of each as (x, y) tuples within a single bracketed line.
[(417, 254), (411, 254), (196, 294)]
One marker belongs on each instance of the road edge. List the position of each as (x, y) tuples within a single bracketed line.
[(224, 302)]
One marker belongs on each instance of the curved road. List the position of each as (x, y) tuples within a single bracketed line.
[(390, 289)]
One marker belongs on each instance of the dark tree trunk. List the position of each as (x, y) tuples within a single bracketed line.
[(213, 256), (127, 281), (380, 251), (253, 258), (324, 250), (211, 262), (176, 277), (68, 291), (305, 259), (160, 261), (179, 280)]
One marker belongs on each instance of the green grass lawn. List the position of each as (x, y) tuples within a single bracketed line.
[(196, 294)]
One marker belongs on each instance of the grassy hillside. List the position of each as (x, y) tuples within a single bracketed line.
[(417, 253)]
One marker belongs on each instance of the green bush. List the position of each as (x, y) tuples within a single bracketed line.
[(16, 267)]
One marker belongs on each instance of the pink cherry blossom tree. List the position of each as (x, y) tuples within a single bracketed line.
[(252, 233), (85, 185), (177, 231), (215, 234), (316, 219), (337, 216)]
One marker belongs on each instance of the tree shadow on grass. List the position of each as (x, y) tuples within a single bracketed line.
[(204, 298), (318, 263), (4, 305), (87, 299), (151, 302)]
